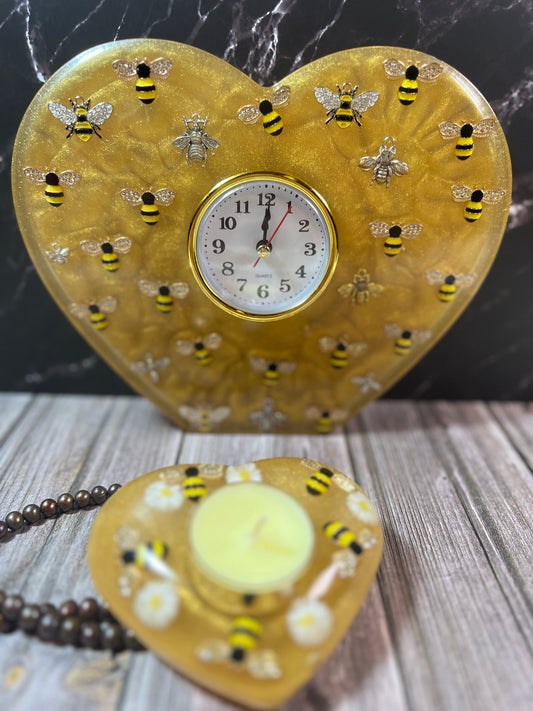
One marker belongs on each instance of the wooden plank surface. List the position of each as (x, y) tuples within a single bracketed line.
[(447, 625)]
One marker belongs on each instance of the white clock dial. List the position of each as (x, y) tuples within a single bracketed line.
[(263, 245)]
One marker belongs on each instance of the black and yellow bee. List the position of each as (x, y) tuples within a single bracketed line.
[(143, 554), (239, 649), (272, 121), (54, 183), (108, 251), (80, 119), (474, 208), (340, 350), (449, 283), (394, 235), (272, 370), (194, 487), (164, 293), (149, 202), (405, 339), (319, 481), (326, 420), (344, 106), (200, 347), (342, 536), (465, 135), (143, 70), (408, 89), (96, 311)]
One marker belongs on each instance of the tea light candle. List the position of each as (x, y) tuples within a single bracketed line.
[(251, 538)]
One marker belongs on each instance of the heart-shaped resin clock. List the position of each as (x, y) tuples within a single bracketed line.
[(258, 259)]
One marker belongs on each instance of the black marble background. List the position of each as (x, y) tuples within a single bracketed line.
[(488, 353)]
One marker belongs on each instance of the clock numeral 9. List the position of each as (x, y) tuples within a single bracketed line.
[(228, 223), (262, 291), (227, 268), (310, 248), (218, 246), (266, 199)]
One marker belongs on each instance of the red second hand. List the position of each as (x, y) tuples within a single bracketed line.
[(274, 233)]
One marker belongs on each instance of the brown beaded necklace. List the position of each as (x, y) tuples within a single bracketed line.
[(84, 624)]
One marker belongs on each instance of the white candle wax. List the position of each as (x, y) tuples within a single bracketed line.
[(251, 538)]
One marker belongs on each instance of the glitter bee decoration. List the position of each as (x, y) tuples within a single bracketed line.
[(202, 348), (474, 199), (149, 202), (344, 107), (394, 235), (272, 121), (448, 283), (204, 417), (465, 135), (144, 71), (384, 165), (165, 293), (195, 141), (80, 119), (404, 339), (54, 183), (408, 89), (57, 253), (96, 311), (341, 350), (108, 251), (272, 370), (151, 367)]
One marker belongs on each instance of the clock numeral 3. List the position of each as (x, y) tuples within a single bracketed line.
[(310, 248)]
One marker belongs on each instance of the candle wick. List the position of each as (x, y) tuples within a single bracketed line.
[(257, 528)]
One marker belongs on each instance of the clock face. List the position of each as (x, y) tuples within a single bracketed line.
[(263, 246)]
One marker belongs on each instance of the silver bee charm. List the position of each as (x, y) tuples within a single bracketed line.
[(384, 165), (344, 106), (195, 141), (58, 254), (150, 367)]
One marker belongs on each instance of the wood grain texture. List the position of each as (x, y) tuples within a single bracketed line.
[(447, 625)]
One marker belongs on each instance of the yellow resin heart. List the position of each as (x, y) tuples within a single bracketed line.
[(155, 547), (106, 221)]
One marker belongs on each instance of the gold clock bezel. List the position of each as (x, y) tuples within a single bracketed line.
[(234, 182)]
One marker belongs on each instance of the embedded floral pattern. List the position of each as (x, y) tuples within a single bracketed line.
[(309, 623), (162, 496), (242, 472), (157, 604), (360, 506)]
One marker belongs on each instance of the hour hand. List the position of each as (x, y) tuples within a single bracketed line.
[(263, 248), (266, 220)]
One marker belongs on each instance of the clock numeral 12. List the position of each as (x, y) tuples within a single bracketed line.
[(269, 199)]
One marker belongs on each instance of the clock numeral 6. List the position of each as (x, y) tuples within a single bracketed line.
[(218, 246), (262, 291), (227, 268)]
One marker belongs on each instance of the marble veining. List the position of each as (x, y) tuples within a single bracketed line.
[(491, 41)]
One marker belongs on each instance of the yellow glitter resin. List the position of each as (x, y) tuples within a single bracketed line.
[(193, 628), (205, 366)]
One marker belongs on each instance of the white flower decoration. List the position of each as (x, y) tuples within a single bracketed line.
[(163, 496), (242, 472), (309, 623), (157, 604), (360, 506)]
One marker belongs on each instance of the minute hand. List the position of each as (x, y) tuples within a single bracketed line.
[(289, 208)]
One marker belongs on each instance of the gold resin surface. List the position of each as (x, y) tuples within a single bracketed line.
[(371, 299), (135, 515)]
